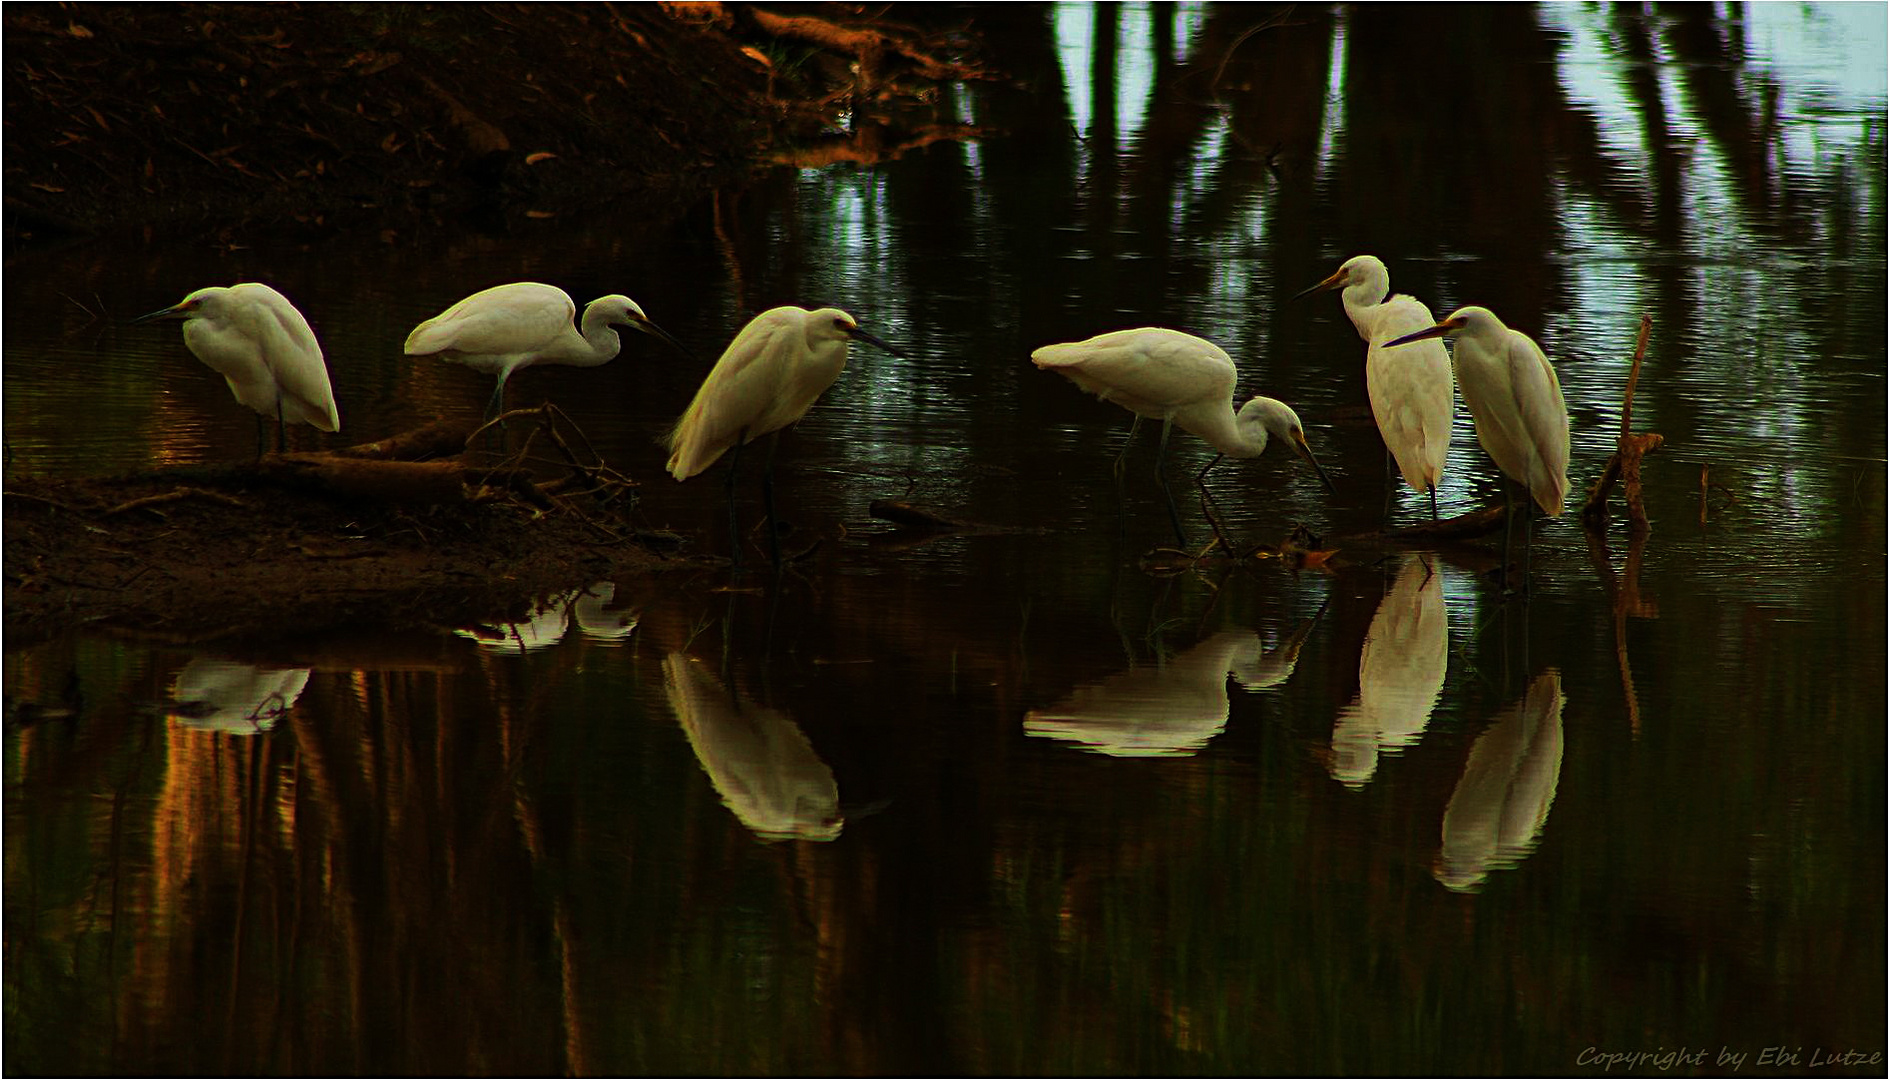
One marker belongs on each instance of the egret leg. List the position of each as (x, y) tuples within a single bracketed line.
[(262, 436), (1122, 455), (728, 486), (496, 407), (1433, 502), (1528, 537), (767, 500), (1388, 485), (282, 429), (1161, 477), (1509, 521)]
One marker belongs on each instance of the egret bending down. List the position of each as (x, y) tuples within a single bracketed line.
[(768, 378), (1410, 390), (1515, 399), (1177, 378), (252, 336), (508, 327)]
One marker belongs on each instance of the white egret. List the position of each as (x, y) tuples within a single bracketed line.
[(767, 379), (508, 327), (1516, 401), (1177, 378), (252, 336), (1410, 390)]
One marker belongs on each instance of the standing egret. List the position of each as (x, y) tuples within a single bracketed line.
[(1179, 379), (252, 336), (1516, 400), (508, 327), (1410, 390), (767, 379)]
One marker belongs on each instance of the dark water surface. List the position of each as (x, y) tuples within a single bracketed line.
[(1007, 803)]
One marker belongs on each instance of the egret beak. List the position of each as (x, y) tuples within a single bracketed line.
[(1337, 280), (656, 331), (858, 334), (1300, 448), (1439, 330), (162, 313)]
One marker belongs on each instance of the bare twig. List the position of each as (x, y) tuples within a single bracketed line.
[(175, 496)]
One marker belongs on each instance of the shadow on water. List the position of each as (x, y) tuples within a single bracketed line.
[(1001, 801)]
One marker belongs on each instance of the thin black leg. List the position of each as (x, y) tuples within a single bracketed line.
[(1123, 453), (767, 499), (1161, 477), (728, 485)]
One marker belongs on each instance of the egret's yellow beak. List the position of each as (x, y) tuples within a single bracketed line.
[(1300, 448), (1337, 280), (1442, 328)]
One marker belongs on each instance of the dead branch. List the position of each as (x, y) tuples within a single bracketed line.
[(870, 46), (442, 438), (1625, 463), (176, 495)]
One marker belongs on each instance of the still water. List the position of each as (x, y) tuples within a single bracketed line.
[(1007, 802)]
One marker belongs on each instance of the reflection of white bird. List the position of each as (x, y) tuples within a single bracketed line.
[(1410, 389), (767, 379), (1508, 785), (1180, 379), (252, 336), (543, 625), (598, 620), (1170, 709), (1400, 673), (507, 327), (223, 695), (1264, 670), (759, 761)]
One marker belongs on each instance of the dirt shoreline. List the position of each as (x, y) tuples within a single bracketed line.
[(279, 121)]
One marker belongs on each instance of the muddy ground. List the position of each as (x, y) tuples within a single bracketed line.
[(280, 121)]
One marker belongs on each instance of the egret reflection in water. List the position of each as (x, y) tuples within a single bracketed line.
[(1400, 673), (1169, 709), (598, 619), (760, 762), (1508, 785), (225, 695), (543, 625)]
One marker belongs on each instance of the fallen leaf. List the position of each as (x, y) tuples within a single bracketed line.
[(78, 31), (757, 56), (542, 155), (539, 214)]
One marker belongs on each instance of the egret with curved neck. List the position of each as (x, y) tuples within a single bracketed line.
[(508, 327), (1183, 380)]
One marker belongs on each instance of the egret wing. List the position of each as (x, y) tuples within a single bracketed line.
[(1545, 420), (740, 392), (293, 357), (1411, 390), (1151, 371), (502, 321)]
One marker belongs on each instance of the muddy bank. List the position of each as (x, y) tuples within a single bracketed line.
[(239, 118), (299, 543)]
